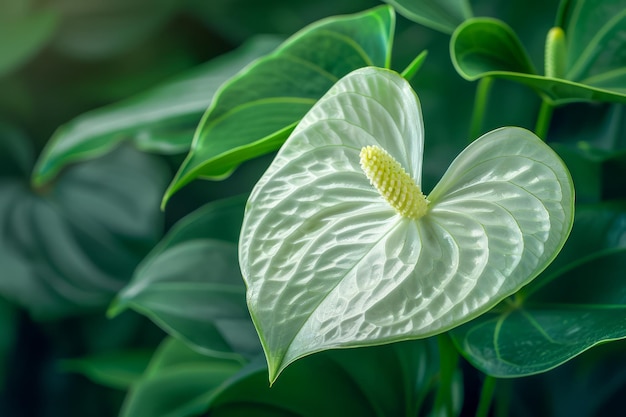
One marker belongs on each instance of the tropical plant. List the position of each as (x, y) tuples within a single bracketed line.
[(393, 217)]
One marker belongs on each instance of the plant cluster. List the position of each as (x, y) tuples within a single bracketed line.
[(349, 254)]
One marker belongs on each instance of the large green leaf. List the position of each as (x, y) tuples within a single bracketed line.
[(22, 35), (392, 380), (190, 284), (179, 382), (441, 15), (57, 244), (329, 263), (590, 57), (160, 120), (589, 386), (577, 303), (253, 113)]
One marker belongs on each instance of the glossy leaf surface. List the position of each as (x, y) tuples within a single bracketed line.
[(160, 120), (559, 315), (443, 16), (179, 382), (255, 111), (392, 380), (56, 244), (595, 64), (328, 262), (190, 283)]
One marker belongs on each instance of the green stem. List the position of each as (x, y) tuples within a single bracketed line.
[(415, 65), (480, 106), (448, 362), (543, 119), (503, 400), (486, 396)]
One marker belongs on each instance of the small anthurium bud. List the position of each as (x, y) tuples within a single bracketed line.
[(339, 247), (555, 53)]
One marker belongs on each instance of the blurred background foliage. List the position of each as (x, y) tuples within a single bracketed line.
[(68, 247)]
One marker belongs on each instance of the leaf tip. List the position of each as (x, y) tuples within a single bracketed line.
[(117, 306), (274, 369), (176, 184), (41, 174)]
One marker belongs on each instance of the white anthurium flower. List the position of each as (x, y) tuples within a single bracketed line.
[(340, 248)]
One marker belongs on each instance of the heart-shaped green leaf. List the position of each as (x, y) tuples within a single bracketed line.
[(441, 15), (255, 111), (190, 284), (160, 120), (593, 66), (559, 315), (329, 263)]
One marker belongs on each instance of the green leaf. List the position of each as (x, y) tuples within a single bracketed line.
[(22, 37), (397, 380), (255, 111), (161, 120), (441, 15), (484, 44), (179, 382), (559, 315), (190, 284), (590, 385), (57, 243), (329, 263), (596, 43), (116, 370), (595, 68)]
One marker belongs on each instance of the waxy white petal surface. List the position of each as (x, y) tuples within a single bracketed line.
[(329, 263)]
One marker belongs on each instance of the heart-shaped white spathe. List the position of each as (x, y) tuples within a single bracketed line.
[(330, 264)]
